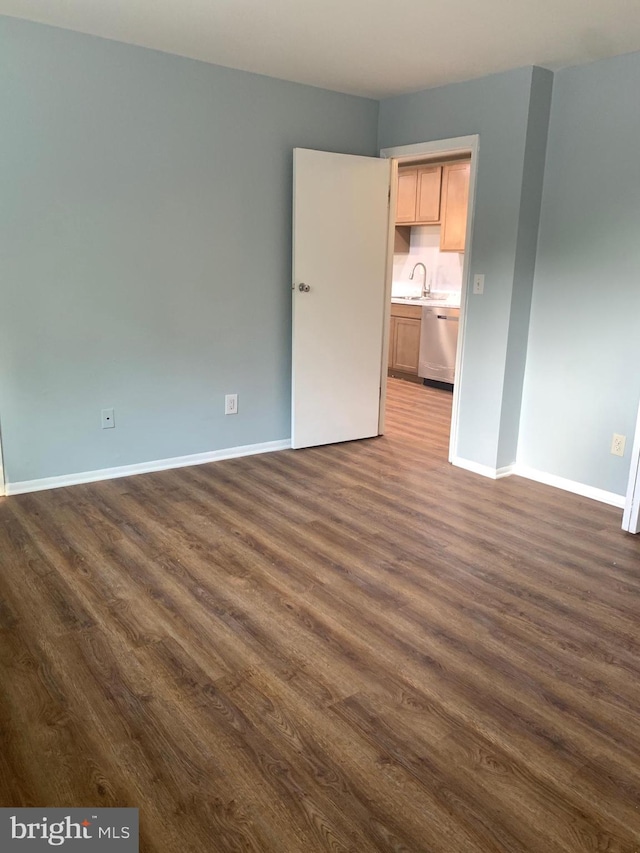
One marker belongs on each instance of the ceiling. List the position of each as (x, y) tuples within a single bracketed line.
[(366, 47)]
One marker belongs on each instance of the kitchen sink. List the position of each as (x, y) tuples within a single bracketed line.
[(430, 297)]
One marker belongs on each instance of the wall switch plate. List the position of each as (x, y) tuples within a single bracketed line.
[(231, 404), (617, 444), (478, 284), (108, 420)]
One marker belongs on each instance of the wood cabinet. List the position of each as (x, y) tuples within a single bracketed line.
[(407, 191), (455, 199), (431, 195), (404, 338), (406, 345), (428, 196), (418, 200)]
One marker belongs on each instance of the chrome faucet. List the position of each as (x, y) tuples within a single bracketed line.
[(426, 289)]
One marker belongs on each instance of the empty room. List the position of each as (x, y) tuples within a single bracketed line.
[(319, 426)]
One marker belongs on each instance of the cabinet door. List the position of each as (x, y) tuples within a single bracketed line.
[(407, 191), (455, 197), (406, 350), (392, 342), (428, 202)]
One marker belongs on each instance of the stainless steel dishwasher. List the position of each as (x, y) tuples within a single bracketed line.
[(438, 342)]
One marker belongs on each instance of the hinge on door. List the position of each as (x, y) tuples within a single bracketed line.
[(389, 198)]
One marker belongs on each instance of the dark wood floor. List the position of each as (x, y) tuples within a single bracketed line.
[(351, 648)]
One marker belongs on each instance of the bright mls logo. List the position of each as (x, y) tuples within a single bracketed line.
[(79, 830)]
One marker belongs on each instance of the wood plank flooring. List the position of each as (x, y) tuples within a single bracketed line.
[(349, 648)]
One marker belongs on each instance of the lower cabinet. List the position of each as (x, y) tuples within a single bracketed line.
[(406, 345), (404, 338)]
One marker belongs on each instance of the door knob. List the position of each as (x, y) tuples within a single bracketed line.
[(304, 288)]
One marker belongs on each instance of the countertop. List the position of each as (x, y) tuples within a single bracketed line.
[(448, 301)]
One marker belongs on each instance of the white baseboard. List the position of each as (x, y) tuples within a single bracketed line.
[(505, 471), (25, 486), (64, 480), (576, 488), (601, 495), (484, 470)]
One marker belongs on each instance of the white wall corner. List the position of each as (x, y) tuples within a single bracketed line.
[(64, 480), (505, 471), (483, 470)]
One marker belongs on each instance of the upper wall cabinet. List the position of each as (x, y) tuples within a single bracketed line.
[(432, 195), (418, 195), (407, 191), (455, 198)]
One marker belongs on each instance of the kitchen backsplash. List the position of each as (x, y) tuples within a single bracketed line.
[(444, 269)]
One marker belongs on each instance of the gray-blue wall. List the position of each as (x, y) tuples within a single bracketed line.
[(145, 218), (500, 109), (145, 221), (582, 381)]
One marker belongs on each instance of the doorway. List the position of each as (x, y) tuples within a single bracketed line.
[(443, 289), (333, 197)]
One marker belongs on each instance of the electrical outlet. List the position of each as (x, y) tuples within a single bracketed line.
[(108, 420), (231, 404), (478, 285), (617, 444)]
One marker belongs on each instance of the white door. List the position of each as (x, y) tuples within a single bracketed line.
[(631, 516), (340, 231)]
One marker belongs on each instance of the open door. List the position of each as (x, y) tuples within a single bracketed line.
[(340, 233), (631, 516)]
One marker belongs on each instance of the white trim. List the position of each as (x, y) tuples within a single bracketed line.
[(144, 467), (576, 488), (455, 145), (448, 147), (386, 317), (3, 487), (592, 492), (483, 470), (631, 516)]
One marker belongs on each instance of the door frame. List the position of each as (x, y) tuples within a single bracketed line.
[(631, 515), (445, 148), (3, 490)]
